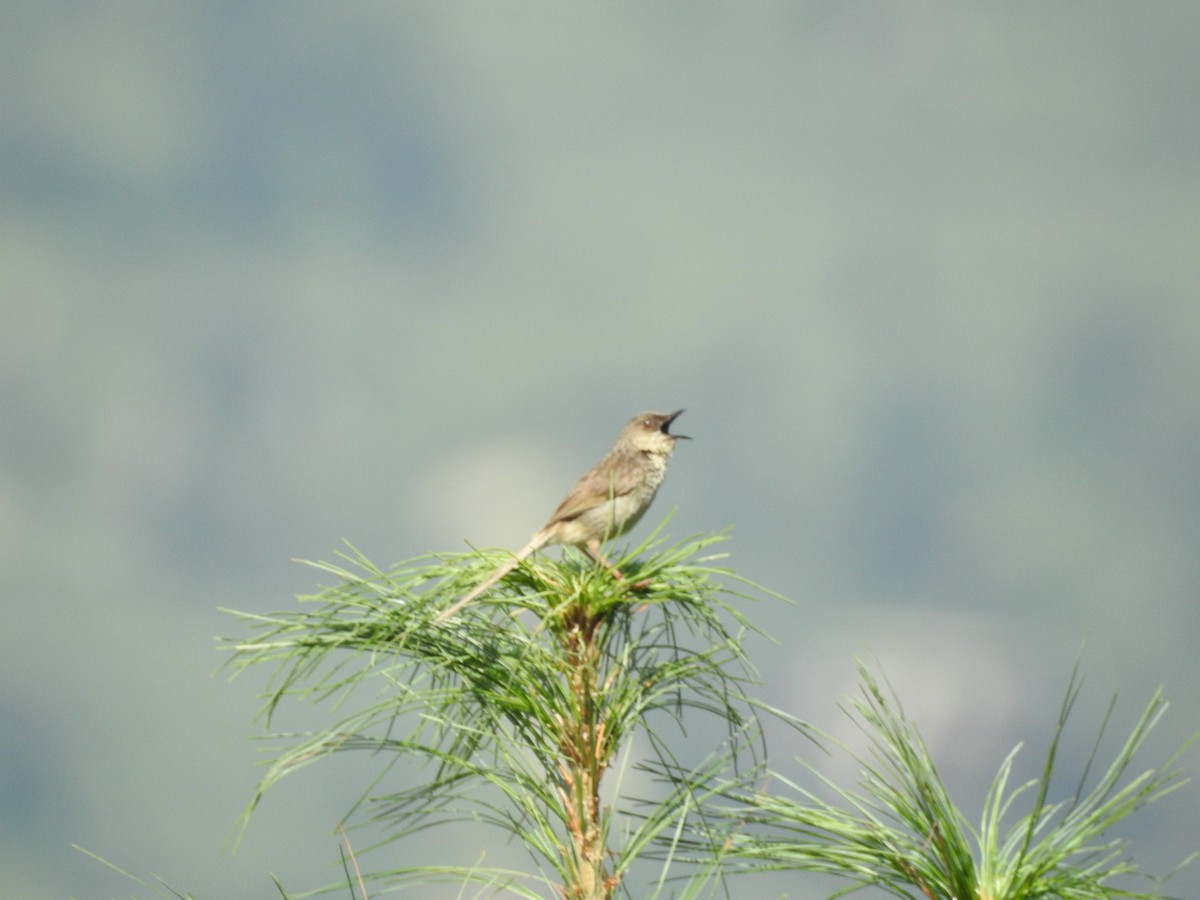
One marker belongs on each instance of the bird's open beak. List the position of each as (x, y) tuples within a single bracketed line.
[(667, 424)]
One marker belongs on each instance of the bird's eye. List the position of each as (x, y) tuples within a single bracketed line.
[(646, 423)]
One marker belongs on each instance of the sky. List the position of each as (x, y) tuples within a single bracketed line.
[(274, 276)]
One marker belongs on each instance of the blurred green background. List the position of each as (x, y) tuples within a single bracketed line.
[(925, 276)]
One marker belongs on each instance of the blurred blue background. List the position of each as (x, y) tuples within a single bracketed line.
[(926, 278)]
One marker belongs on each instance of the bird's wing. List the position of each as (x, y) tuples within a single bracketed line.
[(610, 478)]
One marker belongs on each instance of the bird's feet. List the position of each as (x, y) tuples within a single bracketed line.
[(635, 586)]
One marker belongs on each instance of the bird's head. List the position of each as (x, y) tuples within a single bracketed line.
[(650, 432)]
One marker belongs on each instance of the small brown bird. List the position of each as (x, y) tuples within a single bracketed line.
[(606, 502)]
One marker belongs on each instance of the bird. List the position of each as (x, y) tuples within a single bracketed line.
[(605, 502)]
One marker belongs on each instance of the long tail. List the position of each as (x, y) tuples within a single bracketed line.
[(536, 542)]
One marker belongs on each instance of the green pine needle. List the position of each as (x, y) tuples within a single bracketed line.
[(899, 830), (517, 707)]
